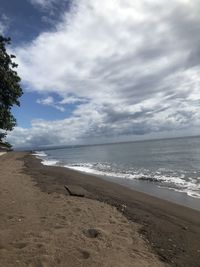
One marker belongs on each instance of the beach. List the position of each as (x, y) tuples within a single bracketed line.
[(106, 224), (2, 153)]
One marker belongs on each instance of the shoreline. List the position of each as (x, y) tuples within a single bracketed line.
[(149, 188), (39, 228), (183, 196), (172, 230), (163, 193)]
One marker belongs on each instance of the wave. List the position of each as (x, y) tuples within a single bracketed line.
[(88, 168), (177, 183), (50, 162), (39, 154), (44, 157)]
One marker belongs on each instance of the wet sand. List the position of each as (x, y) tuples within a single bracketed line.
[(39, 228), (152, 189)]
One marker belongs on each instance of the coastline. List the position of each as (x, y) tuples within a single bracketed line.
[(55, 229), (172, 230), (164, 193)]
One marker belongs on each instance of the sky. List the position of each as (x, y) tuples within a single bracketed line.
[(104, 71)]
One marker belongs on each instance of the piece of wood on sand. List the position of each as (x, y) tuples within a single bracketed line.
[(75, 190)]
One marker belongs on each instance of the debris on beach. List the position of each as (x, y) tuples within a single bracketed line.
[(75, 190)]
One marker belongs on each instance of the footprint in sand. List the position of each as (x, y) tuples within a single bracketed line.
[(60, 216), (39, 245), (92, 233), (58, 226), (84, 254), (20, 245), (43, 218)]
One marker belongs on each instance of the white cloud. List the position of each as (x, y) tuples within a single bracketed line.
[(60, 105), (49, 101), (135, 62), (42, 3), (51, 9), (72, 100), (4, 24), (2, 28), (46, 101)]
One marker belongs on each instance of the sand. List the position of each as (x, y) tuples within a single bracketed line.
[(172, 231), (40, 228)]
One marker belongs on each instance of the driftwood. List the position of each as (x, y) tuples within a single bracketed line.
[(75, 190)]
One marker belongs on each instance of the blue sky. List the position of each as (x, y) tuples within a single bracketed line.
[(31, 108), (27, 19), (102, 71), (24, 20)]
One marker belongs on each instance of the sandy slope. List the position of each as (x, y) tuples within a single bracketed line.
[(39, 229)]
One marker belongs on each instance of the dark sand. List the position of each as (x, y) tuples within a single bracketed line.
[(173, 231), (38, 229)]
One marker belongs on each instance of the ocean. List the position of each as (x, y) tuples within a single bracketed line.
[(172, 164)]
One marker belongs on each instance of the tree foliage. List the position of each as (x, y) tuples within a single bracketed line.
[(10, 89)]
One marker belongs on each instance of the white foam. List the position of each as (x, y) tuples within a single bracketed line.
[(91, 170), (50, 162), (39, 154), (187, 191), (84, 169), (88, 170), (47, 162), (190, 187)]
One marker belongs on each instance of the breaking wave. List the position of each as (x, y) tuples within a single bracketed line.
[(179, 181)]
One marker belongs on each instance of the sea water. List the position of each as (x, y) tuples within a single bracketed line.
[(168, 163)]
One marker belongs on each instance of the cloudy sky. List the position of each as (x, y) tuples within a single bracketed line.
[(99, 71)]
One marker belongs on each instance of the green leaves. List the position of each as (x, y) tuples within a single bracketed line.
[(10, 89)]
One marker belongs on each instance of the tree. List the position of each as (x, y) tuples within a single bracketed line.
[(10, 89)]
